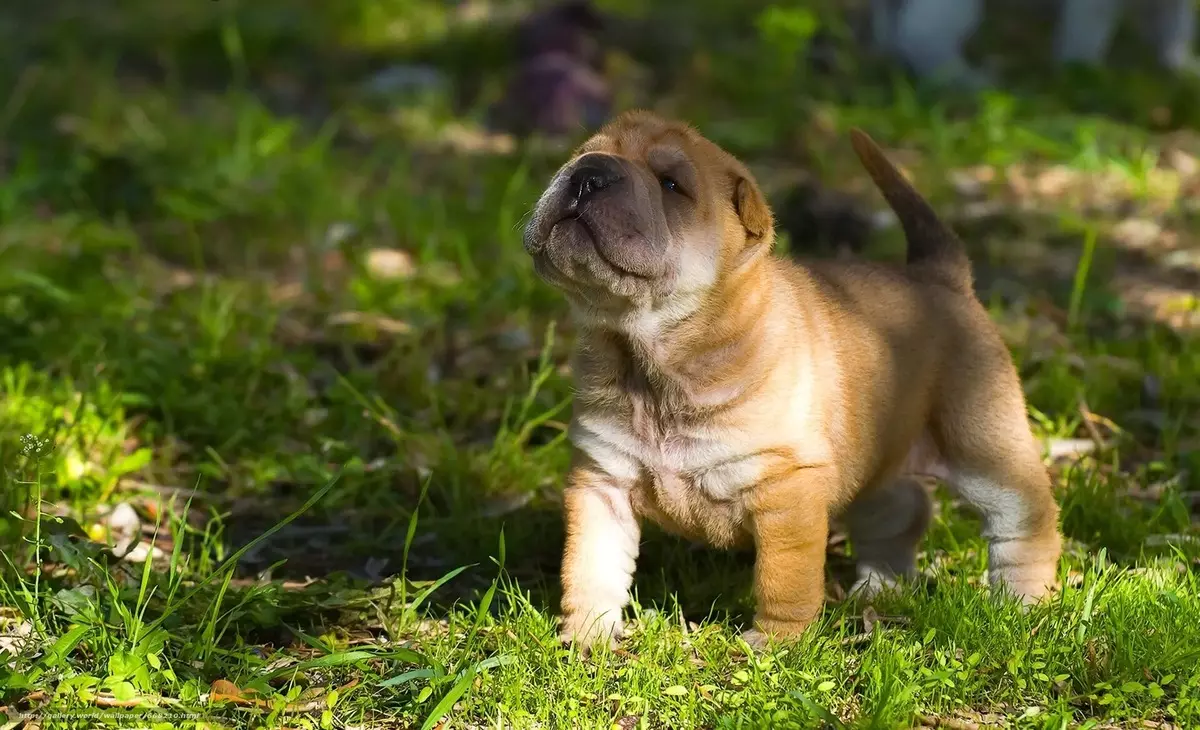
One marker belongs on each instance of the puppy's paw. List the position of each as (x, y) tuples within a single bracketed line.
[(766, 634), (586, 632), (1029, 585), (1029, 594)]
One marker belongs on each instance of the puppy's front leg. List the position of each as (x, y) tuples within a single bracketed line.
[(791, 527), (599, 559)]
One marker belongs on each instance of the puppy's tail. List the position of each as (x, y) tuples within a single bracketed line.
[(933, 248)]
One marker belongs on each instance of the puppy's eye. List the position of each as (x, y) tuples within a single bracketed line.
[(669, 184)]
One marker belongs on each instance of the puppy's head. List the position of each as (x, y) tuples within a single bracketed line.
[(646, 214)]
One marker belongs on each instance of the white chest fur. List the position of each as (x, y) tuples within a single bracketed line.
[(696, 454), (689, 480)]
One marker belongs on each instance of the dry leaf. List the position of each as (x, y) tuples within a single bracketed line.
[(1136, 233), (1057, 448), (1181, 162), (1054, 181), (14, 638), (378, 321), (390, 263), (972, 182), (121, 529), (870, 618), (222, 690)]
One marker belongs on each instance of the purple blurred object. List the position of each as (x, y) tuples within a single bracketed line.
[(557, 87), (557, 95), (568, 27)]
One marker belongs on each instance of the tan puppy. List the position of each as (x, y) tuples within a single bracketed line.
[(736, 398)]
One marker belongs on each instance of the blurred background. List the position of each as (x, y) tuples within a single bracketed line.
[(247, 247)]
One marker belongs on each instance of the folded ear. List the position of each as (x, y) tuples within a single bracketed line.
[(751, 207)]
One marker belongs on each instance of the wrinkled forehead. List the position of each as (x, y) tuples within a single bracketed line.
[(654, 142)]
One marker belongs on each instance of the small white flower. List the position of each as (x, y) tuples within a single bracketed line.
[(32, 445)]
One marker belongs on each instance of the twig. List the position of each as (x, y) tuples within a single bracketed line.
[(1089, 424), (185, 492), (110, 701), (101, 700), (35, 696), (860, 638), (226, 691)]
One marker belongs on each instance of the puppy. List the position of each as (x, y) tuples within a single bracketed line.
[(737, 398), (928, 35)]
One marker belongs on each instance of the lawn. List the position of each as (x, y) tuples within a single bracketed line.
[(282, 402)]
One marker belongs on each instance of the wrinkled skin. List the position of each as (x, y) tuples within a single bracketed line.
[(648, 237)]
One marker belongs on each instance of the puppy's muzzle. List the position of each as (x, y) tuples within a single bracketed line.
[(577, 186), (592, 174)]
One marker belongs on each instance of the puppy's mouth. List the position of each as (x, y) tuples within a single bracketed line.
[(581, 220)]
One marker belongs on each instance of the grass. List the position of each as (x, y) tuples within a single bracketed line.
[(289, 323)]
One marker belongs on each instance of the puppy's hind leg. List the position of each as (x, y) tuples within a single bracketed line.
[(886, 525), (995, 465)]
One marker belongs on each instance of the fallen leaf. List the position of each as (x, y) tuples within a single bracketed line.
[(972, 182), (1182, 162), (378, 321), (1136, 233), (390, 263), (870, 618), (1054, 180), (1058, 448), (124, 527), (14, 639), (144, 551), (222, 690)]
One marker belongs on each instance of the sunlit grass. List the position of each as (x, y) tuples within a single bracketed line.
[(304, 345)]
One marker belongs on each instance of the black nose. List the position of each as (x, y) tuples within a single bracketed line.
[(591, 177)]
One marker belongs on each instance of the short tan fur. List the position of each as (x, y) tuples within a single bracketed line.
[(738, 398)]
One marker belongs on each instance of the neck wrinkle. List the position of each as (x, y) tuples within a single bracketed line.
[(715, 355)]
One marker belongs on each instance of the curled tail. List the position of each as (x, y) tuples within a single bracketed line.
[(933, 248)]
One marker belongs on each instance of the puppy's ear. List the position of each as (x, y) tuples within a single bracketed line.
[(751, 206)]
